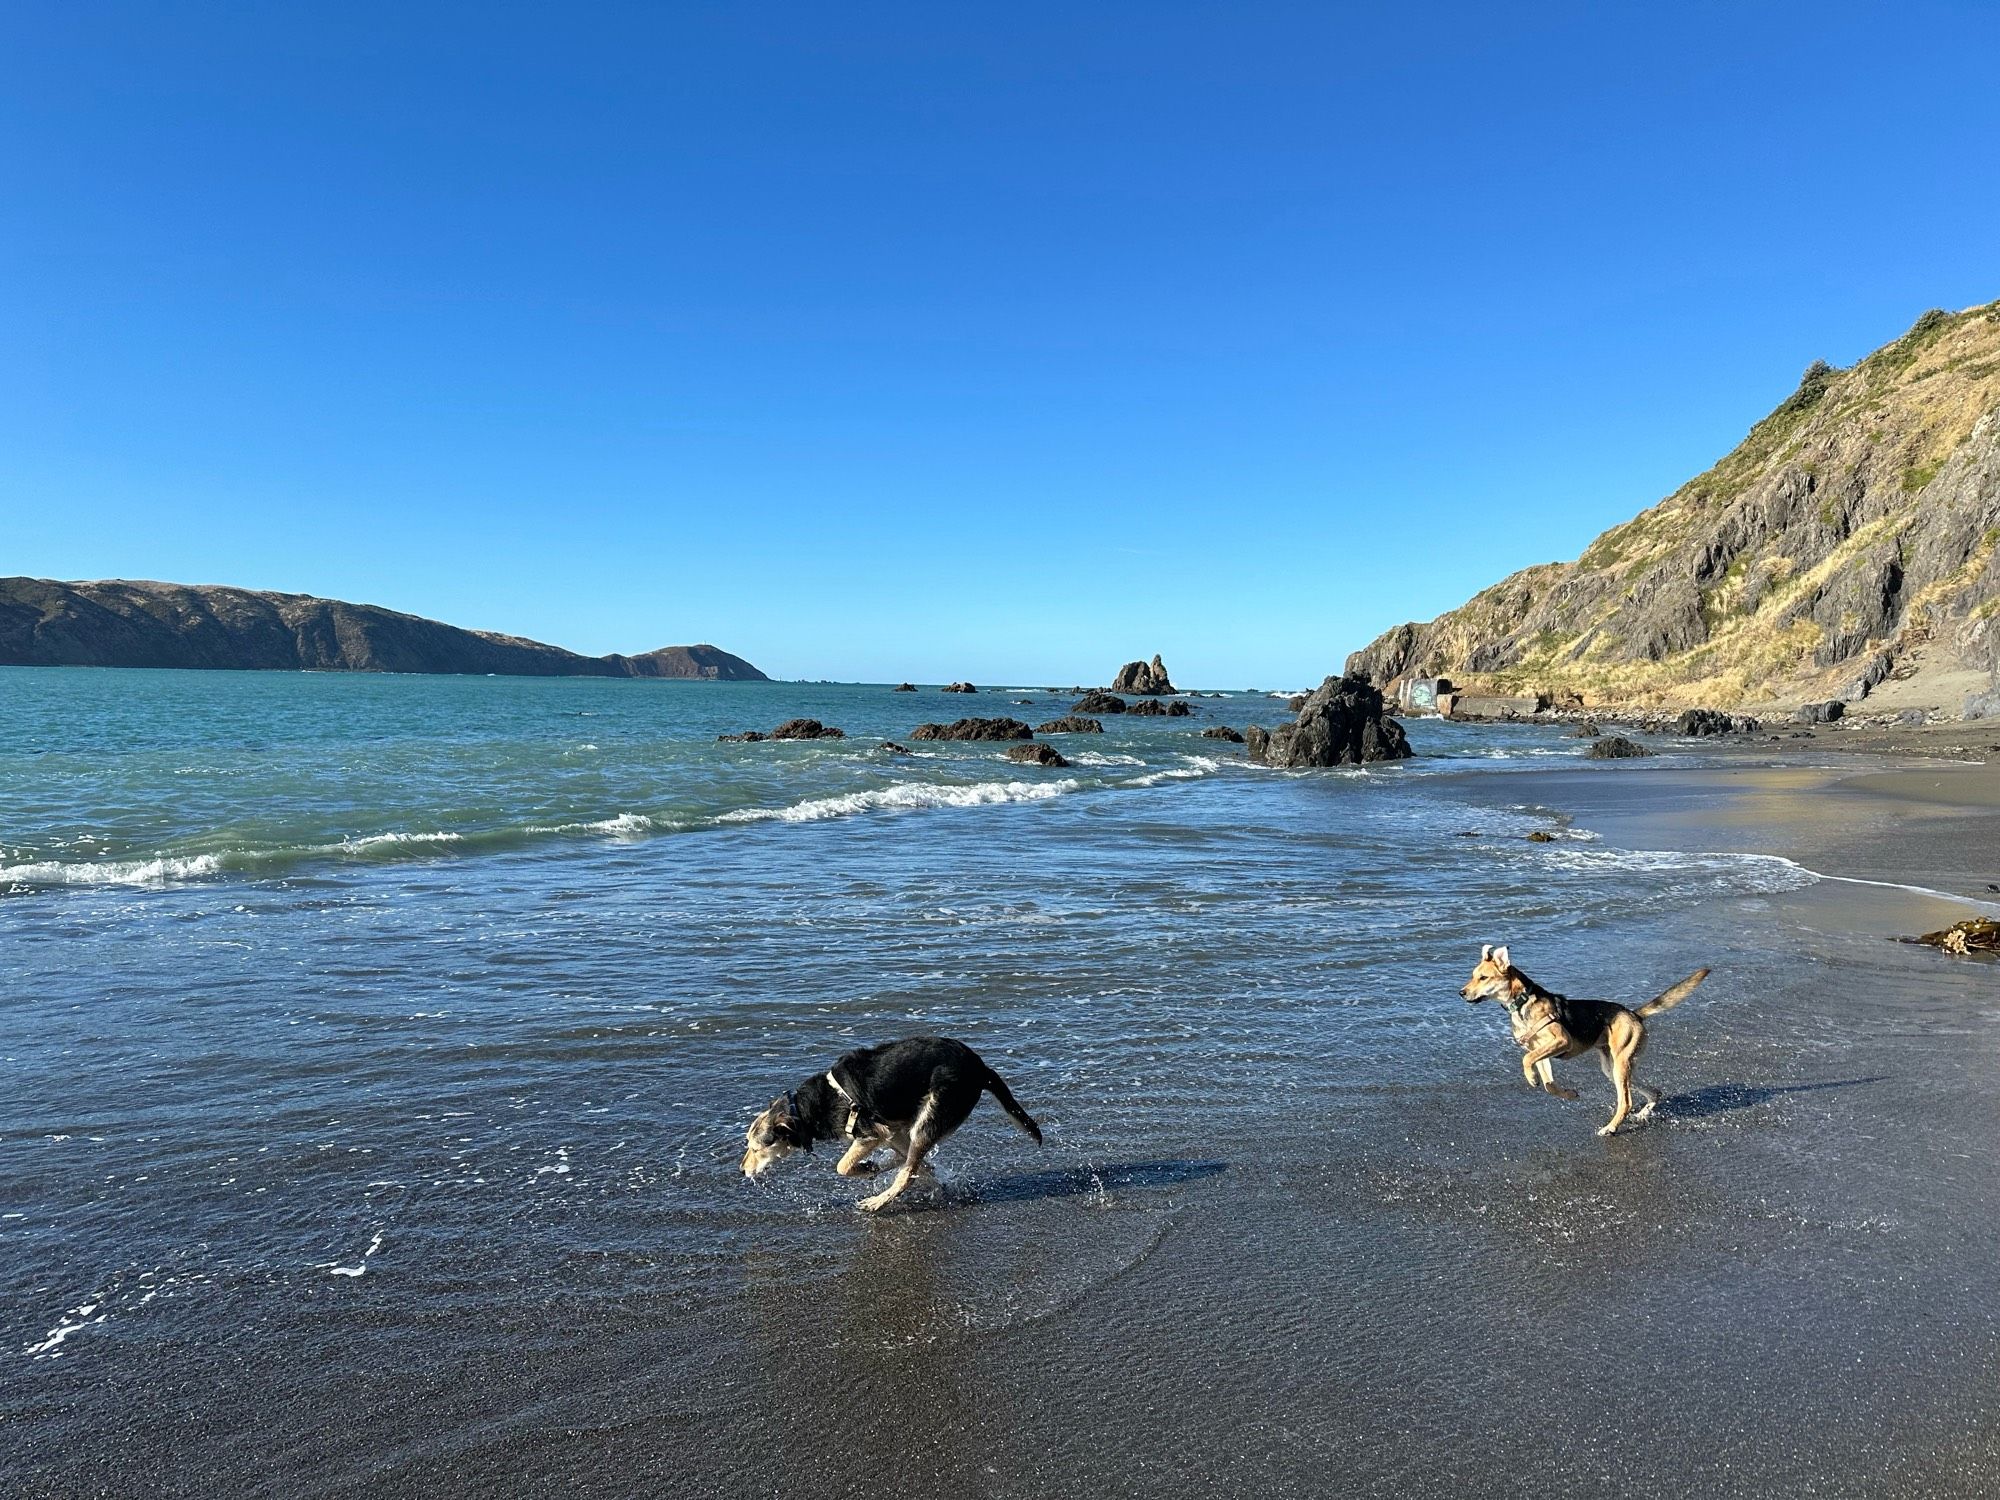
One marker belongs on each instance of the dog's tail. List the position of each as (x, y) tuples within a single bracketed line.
[(1668, 999), (997, 1087)]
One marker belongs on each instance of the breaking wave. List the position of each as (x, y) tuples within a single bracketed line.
[(906, 796)]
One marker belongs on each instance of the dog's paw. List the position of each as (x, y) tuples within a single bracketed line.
[(1607, 1130), (876, 1204)]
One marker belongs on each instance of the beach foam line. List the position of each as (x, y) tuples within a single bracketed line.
[(164, 870), (903, 798)]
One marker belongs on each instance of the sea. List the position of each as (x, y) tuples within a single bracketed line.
[(376, 1051)]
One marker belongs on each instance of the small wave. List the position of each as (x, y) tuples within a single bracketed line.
[(165, 870), (622, 826), (897, 798), (369, 841)]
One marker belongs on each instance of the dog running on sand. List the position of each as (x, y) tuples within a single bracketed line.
[(1548, 1025), (906, 1096)]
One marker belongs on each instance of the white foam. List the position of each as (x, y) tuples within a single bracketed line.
[(74, 1321), (906, 796), (394, 840), (620, 826), (164, 870), (361, 1268)]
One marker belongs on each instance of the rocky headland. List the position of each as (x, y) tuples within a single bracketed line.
[(116, 623), (1845, 550)]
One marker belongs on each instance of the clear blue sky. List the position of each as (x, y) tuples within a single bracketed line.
[(879, 340)]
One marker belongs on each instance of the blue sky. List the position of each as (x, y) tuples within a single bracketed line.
[(878, 341)]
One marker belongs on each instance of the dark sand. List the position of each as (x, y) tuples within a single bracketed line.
[(1786, 1284)]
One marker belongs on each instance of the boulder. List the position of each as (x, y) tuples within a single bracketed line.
[(1073, 724), (1222, 732), (1820, 713), (1146, 679), (791, 729), (1296, 702), (1615, 747), (807, 729), (1342, 723), (892, 748), (1098, 702), (974, 729), (1701, 723), (1156, 709), (960, 687), (1256, 742), (1587, 730), (1035, 755)]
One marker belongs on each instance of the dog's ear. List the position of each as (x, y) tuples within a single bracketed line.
[(781, 1106), (1500, 957), (1485, 952)]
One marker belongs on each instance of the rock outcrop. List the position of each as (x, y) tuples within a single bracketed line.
[(1820, 713), (1097, 701), (1615, 747), (1036, 755), (1849, 545), (791, 729), (117, 623), (904, 687), (1143, 679), (1343, 722), (1154, 707), (959, 687), (974, 729), (1222, 732), (1071, 724)]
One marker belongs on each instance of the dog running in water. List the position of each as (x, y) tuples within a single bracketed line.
[(1548, 1026), (904, 1096)]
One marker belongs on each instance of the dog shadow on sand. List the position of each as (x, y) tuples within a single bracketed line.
[(1725, 1098), (1083, 1182)]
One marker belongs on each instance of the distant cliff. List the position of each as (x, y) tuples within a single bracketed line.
[(1846, 547), (117, 623)]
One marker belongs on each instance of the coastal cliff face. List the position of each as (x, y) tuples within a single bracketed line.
[(118, 623), (1846, 547)]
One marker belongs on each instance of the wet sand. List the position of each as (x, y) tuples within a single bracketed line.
[(1786, 1283)]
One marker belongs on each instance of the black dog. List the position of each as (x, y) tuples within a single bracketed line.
[(907, 1096)]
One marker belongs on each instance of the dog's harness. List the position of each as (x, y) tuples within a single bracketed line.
[(1514, 1009)]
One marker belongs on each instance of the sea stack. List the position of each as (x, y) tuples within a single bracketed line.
[(1343, 723)]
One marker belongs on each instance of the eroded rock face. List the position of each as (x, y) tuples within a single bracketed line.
[(1036, 755), (974, 729), (1098, 702), (1615, 747), (1343, 723), (1144, 679), (1849, 536), (1072, 724)]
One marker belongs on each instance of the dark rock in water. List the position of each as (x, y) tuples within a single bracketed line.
[(1296, 702), (1221, 732), (904, 687), (1820, 713), (1035, 755), (1700, 723), (893, 748), (791, 729), (1587, 730), (1342, 723), (1156, 709), (807, 729), (1147, 680), (1097, 702), (1541, 836), (1073, 724), (118, 623), (974, 729), (1256, 742), (960, 687), (1615, 747)]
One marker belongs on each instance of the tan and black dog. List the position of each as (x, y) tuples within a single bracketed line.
[(1548, 1025), (903, 1097)]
